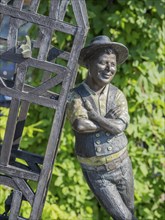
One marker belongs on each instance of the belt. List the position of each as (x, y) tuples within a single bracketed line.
[(107, 166), (97, 161)]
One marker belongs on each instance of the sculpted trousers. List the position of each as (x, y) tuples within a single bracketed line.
[(114, 189)]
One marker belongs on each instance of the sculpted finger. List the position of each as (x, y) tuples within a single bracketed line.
[(26, 48), (117, 112), (88, 105)]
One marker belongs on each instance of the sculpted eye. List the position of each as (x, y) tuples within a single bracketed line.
[(102, 63), (113, 68)]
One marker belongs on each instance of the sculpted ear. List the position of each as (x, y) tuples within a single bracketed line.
[(87, 64)]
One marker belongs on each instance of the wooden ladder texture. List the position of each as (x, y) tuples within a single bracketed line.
[(39, 168)]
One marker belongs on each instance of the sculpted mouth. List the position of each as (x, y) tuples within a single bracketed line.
[(107, 75)]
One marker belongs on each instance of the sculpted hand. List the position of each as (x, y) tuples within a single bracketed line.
[(88, 105), (91, 112), (26, 48), (114, 113)]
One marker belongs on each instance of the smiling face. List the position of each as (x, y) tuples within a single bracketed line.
[(102, 69)]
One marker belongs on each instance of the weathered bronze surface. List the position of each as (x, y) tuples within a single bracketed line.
[(99, 115)]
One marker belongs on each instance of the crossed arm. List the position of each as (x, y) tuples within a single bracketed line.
[(110, 123)]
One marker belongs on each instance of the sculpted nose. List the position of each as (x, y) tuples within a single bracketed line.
[(113, 69), (108, 66)]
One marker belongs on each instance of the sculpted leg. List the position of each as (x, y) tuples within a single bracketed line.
[(126, 184), (108, 195)]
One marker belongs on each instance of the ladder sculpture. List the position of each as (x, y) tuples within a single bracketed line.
[(39, 169)]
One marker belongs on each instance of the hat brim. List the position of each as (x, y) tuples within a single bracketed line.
[(120, 50)]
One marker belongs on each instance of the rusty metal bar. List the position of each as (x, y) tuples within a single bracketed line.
[(12, 35), (39, 19), (34, 5), (17, 58), (45, 43), (62, 9), (12, 119), (15, 205), (10, 128), (54, 135), (24, 107), (54, 8), (17, 172), (7, 181), (80, 12), (32, 98), (18, 4), (5, 1), (25, 189)]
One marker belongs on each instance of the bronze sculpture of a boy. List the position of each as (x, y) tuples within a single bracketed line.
[(99, 115)]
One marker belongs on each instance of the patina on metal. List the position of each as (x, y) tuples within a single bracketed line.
[(39, 168), (98, 113)]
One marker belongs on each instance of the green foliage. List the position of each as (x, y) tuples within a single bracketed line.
[(140, 26), (4, 113)]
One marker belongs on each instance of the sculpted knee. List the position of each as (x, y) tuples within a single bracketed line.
[(126, 216)]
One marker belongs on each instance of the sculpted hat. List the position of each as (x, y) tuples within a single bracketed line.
[(103, 42)]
